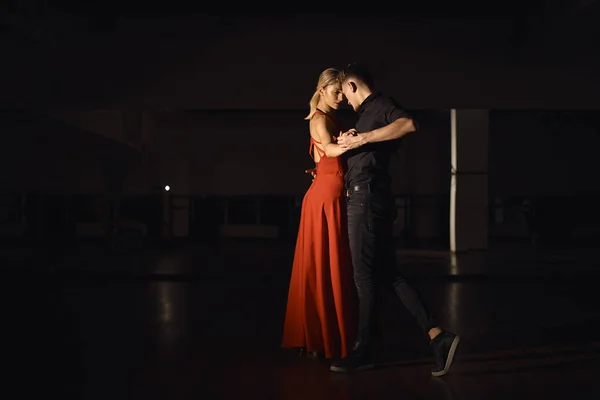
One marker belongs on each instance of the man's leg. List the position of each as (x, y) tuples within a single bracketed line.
[(362, 249), (443, 343), (383, 209)]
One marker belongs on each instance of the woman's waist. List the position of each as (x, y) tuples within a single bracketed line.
[(329, 168), (330, 162), (328, 184), (330, 172), (329, 179)]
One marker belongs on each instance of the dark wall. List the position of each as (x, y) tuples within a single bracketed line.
[(543, 153), (272, 62), (41, 154), (266, 152)]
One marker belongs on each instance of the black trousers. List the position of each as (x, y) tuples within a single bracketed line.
[(371, 216)]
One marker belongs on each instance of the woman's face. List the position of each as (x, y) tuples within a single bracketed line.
[(332, 95)]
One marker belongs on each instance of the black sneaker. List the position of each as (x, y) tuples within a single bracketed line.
[(359, 359), (443, 346)]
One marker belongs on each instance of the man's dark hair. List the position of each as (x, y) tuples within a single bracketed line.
[(359, 72)]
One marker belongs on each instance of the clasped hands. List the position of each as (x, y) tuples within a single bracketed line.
[(350, 140)]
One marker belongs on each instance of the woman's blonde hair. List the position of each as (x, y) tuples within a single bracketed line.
[(328, 77)]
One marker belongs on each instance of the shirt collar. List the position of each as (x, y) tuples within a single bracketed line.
[(367, 100)]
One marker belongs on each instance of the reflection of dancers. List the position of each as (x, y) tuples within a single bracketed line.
[(319, 315), (371, 212)]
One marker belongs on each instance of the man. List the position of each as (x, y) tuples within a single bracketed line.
[(371, 212)]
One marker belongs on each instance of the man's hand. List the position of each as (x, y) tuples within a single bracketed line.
[(350, 140), (350, 132)]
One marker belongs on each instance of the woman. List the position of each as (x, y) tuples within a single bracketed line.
[(320, 310)]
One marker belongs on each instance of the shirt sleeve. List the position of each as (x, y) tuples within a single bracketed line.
[(393, 111)]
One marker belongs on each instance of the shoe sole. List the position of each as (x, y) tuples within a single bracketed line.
[(357, 369), (450, 358)]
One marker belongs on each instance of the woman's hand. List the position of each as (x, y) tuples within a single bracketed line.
[(350, 140)]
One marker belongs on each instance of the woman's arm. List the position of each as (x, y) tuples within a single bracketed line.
[(322, 131)]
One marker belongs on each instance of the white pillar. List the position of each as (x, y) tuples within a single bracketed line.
[(469, 186)]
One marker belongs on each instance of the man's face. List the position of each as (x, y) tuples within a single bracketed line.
[(349, 89)]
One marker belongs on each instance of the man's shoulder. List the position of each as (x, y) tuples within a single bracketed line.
[(383, 100)]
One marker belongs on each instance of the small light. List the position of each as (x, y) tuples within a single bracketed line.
[(167, 188)]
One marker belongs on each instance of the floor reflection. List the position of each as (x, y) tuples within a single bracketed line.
[(453, 297), (214, 331), (171, 316)]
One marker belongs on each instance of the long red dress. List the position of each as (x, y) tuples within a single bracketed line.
[(320, 313)]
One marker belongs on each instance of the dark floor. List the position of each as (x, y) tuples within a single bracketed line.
[(205, 323)]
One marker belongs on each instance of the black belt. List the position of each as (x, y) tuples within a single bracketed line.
[(367, 188)]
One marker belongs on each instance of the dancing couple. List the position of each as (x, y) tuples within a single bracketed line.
[(345, 246)]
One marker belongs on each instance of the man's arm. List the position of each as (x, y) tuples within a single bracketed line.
[(395, 130), (392, 131)]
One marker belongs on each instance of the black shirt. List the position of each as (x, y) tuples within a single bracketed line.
[(370, 163)]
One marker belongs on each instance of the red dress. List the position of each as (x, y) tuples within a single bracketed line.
[(320, 313)]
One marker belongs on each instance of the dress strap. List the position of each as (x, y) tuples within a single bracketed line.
[(313, 141), (312, 147)]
